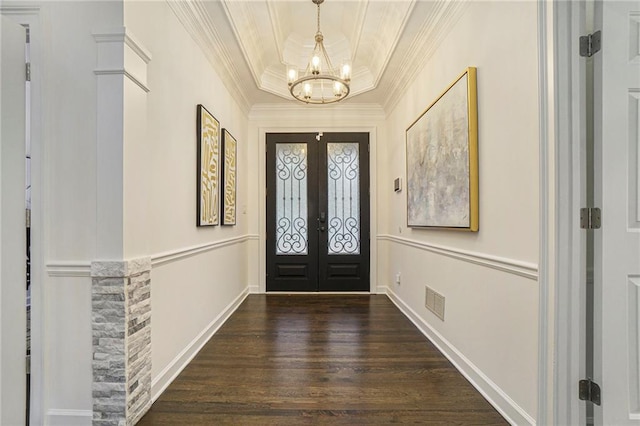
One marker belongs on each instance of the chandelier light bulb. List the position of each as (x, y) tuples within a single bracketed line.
[(346, 72), (337, 88), (292, 75), (315, 64), (308, 90)]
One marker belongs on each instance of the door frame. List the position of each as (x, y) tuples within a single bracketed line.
[(562, 271), (317, 259), (31, 16), (262, 205)]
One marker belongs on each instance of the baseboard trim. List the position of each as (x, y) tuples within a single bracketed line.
[(175, 367), (59, 417), (507, 407), (254, 289)]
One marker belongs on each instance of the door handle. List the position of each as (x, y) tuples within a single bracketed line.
[(321, 229), (323, 217)]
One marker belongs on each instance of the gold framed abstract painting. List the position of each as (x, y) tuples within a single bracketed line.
[(229, 151), (208, 204), (442, 160)]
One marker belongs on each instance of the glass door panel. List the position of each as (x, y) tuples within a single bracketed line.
[(343, 183), (291, 197)]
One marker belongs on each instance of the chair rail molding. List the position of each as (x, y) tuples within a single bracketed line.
[(184, 252), (511, 266), (69, 269)]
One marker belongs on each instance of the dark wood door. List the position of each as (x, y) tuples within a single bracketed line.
[(318, 212)]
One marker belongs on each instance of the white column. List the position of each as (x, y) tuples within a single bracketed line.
[(121, 286)]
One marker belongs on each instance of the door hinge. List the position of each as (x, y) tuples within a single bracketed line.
[(27, 364), (28, 71), (590, 44), (589, 390), (590, 218), (28, 217)]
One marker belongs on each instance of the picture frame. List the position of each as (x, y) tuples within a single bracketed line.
[(229, 169), (442, 160), (208, 147)]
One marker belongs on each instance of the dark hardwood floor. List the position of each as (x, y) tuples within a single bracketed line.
[(325, 359)]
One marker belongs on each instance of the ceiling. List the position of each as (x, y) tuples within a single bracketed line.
[(250, 42)]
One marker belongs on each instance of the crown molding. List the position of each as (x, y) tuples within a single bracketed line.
[(197, 22), (248, 45), (357, 28), (378, 75), (433, 31), (276, 27), (336, 113), (275, 83)]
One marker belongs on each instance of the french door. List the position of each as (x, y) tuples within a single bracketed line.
[(317, 212)]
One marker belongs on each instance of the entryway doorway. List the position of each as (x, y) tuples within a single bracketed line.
[(318, 216)]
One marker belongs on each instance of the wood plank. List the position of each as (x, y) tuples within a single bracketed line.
[(320, 359)]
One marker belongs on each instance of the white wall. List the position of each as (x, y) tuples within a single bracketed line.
[(197, 273), (489, 278)]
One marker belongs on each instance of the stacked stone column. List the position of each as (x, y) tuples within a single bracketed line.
[(121, 324)]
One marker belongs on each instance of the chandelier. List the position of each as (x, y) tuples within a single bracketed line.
[(321, 83)]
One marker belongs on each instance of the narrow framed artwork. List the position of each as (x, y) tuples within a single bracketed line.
[(208, 201), (442, 160), (229, 150)]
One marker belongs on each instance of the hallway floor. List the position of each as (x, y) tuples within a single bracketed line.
[(325, 359)]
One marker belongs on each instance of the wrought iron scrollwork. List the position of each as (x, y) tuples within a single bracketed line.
[(344, 198), (291, 195)]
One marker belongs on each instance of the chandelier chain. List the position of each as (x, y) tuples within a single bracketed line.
[(318, 17)]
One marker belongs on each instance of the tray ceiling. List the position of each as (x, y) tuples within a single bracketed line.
[(251, 42)]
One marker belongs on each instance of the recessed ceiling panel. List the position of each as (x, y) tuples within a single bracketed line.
[(386, 41), (274, 34)]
